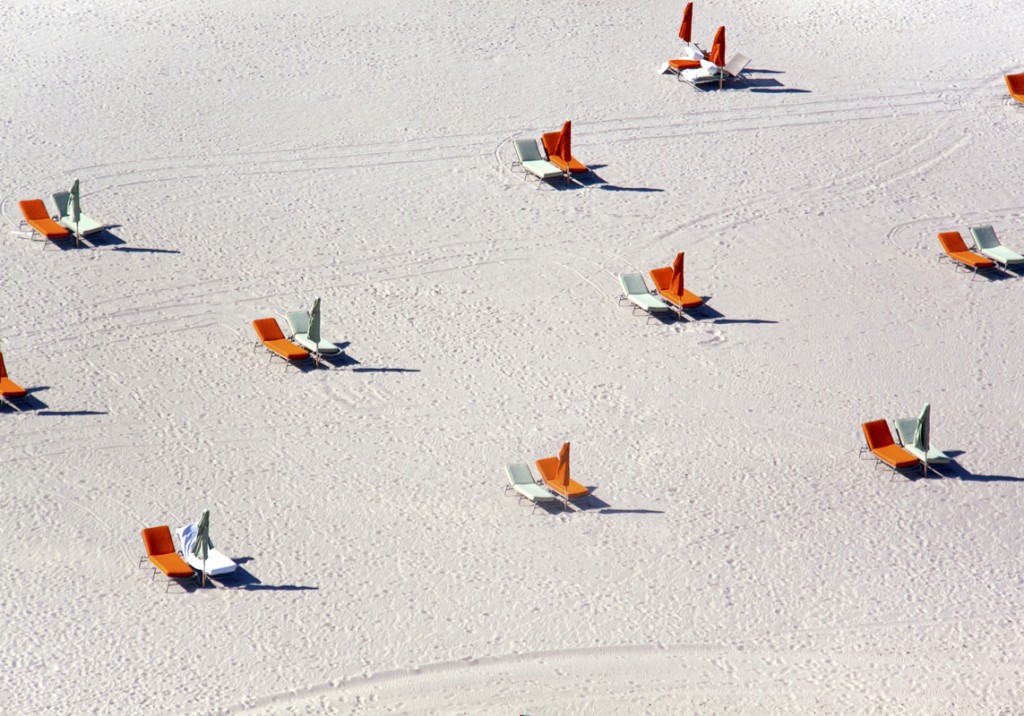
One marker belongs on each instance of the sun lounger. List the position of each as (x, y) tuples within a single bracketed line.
[(8, 388), (550, 142), (86, 225), (956, 250), (905, 429), (269, 334), (36, 217), (558, 480), (662, 278), (883, 447), (298, 322), (635, 291), (1015, 83), (986, 240), (163, 557), (709, 73), (521, 480), (533, 161), (217, 563)]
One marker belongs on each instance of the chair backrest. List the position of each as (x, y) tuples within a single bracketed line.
[(877, 434), (737, 64), (298, 321), (158, 540), (3, 368), (662, 277), (519, 474), (60, 201), (985, 237), (550, 140), (1015, 83), (633, 284), (33, 209), (527, 150), (267, 329), (905, 429), (952, 242)]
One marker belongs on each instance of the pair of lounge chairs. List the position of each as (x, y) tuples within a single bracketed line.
[(992, 251), (556, 161), (556, 485), (902, 455), (668, 282), (9, 390), (60, 225), (183, 566), (297, 348)]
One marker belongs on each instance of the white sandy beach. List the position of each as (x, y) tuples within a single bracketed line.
[(737, 556)]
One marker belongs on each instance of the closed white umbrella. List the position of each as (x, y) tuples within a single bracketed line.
[(922, 434), (74, 209), (201, 547)]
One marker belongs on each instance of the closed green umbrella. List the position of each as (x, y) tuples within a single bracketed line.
[(201, 547), (314, 328), (74, 210), (922, 434)]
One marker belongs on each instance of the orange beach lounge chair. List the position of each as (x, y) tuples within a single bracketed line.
[(1015, 83), (8, 388), (956, 250), (555, 473), (558, 145), (668, 280), (162, 555), (883, 447), (34, 211), (270, 335)]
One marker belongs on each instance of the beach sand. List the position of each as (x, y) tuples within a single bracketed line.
[(737, 556)]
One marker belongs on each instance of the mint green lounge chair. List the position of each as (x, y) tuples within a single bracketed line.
[(86, 225), (635, 291), (905, 429), (989, 245), (533, 161), (520, 479), (298, 322)]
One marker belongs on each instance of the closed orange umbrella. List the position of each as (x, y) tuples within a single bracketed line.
[(686, 29), (562, 473), (676, 285), (717, 54), (563, 147)]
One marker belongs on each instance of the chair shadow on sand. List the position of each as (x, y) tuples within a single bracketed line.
[(243, 579), (591, 503), (955, 471), (593, 179)]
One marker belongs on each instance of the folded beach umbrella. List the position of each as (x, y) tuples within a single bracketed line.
[(201, 547), (686, 29), (314, 328), (676, 284), (562, 472), (922, 435), (717, 53), (563, 147), (74, 208)]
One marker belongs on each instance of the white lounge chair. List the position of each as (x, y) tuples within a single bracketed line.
[(635, 291), (533, 161), (988, 243), (217, 563), (709, 72), (520, 479), (298, 322), (86, 225), (905, 429)]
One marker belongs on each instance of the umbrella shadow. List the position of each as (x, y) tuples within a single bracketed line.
[(592, 179), (72, 412), (752, 321), (357, 367), (958, 471)]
